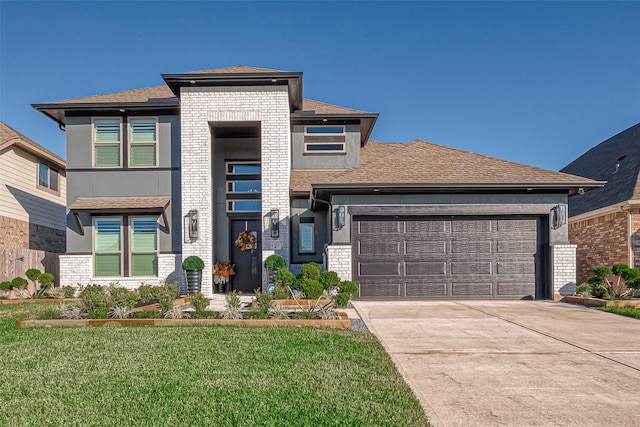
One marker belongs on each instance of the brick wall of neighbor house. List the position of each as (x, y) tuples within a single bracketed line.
[(268, 105), (635, 236), (601, 240), (563, 259), (339, 260), (75, 269), (15, 233)]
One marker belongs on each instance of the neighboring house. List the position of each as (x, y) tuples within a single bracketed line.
[(605, 222), (161, 173), (32, 194)]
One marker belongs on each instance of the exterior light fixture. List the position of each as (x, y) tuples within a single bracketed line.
[(340, 215), (274, 223), (193, 224), (559, 215)]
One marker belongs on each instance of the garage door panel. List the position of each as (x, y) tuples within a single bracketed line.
[(426, 226), (422, 247), (471, 289), (517, 288), (379, 268), (378, 289), (421, 289), (517, 247), (516, 225), (516, 267), (380, 227), (459, 267), (422, 268), (471, 247), (471, 226), (378, 247)]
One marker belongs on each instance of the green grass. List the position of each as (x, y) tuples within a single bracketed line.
[(188, 376), (623, 311)]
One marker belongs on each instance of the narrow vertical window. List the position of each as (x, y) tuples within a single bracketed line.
[(143, 143), (144, 246), (306, 238), (107, 143), (107, 243)]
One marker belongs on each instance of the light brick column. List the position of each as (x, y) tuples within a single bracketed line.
[(563, 260), (339, 260), (201, 105)]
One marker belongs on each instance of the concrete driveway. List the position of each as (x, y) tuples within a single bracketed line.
[(513, 363)]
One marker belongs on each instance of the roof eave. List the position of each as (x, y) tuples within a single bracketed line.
[(57, 111), (367, 121), (277, 78)]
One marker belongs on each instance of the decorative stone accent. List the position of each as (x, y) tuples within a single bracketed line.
[(563, 259), (268, 105), (77, 270), (338, 259), (22, 234)]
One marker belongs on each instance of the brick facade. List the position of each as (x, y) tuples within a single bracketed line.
[(338, 259), (78, 270), (15, 233), (563, 259), (268, 105), (603, 240)]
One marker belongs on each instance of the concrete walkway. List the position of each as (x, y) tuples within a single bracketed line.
[(513, 363)]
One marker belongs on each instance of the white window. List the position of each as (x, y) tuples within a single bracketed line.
[(306, 238), (107, 143), (143, 142), (47, 177), (138, 257), (324, 139)]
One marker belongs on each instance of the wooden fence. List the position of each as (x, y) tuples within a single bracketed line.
[(15, 262)]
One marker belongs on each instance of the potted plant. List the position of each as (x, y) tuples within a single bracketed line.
[(272, 264), (221, 273), (193, 266)]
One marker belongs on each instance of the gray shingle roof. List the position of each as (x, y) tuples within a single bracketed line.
[(599, 163)]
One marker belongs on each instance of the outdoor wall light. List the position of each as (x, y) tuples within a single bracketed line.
[(559, 215), (193, 224), (340, 214), (274, 223)]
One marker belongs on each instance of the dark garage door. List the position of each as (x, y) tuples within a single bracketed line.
[(455, 257)]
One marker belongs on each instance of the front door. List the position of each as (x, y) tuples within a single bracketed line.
[(248, 263)]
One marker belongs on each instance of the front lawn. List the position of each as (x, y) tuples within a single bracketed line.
[(623, 311), (209, 376)]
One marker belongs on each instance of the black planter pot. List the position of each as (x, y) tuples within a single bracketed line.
[(194, 281)]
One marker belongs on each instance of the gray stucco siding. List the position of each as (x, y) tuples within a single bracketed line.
[(349, 159), (451, 204)]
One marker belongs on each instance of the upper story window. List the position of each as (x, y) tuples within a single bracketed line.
[(143, 142), (107, 143), (324, 139), (244, 168), (244, 186), (47, 177)]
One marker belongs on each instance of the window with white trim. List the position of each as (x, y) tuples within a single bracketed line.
[(143, 142), (135, 255), (324, 139), (107, 143), (47, 177)]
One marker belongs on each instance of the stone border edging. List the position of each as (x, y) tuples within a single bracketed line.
[(597, 302)]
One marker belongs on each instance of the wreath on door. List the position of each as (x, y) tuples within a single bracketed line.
[(247, 241)]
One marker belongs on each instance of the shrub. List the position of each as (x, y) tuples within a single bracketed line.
[(329, 280), (49, 313), (263, 299), (278, 312), (68, 291), (74, 310), (122, 297), (33, 274), (147, 314), (348, 287), (120, 312), (199, 302), (342, 299), (232, 306), (193, 262), (282, 280), (146, 293), (19, 283), (96, 301), (311, 270), (166, 295), (274, 262), (311, 288), (176, 312), (5, 286), (584, 290), (257, 314), (46, 280), (304, 315)]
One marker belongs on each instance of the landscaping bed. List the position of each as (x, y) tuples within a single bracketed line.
[(599, 302)]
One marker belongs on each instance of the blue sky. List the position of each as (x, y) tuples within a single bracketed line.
[(532, 82)]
